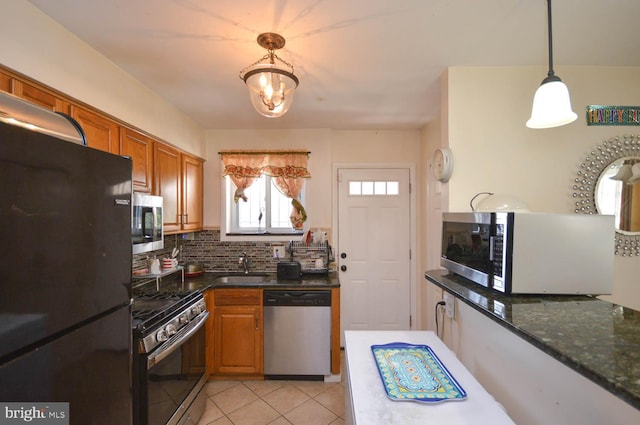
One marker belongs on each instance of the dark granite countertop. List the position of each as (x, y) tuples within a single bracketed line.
[(211, 280), (597, 339)]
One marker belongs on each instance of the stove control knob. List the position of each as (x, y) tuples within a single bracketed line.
[(171, 329), (184, 319), (195, 310), (162, 335)]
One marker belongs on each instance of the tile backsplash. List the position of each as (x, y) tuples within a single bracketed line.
[(206, 247)]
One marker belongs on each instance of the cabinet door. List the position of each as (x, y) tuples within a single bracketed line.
[(208, 298), (101, 132), (6, 83), (167, 184), (40, 97), (139, 148), (238, 340), (191, 193)]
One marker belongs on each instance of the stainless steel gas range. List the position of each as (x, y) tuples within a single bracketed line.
[(169, 369)]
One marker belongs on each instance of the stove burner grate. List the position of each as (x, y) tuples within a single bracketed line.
[(149, 310)]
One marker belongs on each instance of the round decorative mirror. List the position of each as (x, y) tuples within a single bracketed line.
[(608, 182)]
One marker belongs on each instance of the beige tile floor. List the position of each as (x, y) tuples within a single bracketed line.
[(274, 403)]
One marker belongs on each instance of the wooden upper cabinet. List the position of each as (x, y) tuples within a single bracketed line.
[(192, 193), (157, 168), (5, 82), (101, 132), (167, 183), (40, 97), (178, 179), (139, 148)]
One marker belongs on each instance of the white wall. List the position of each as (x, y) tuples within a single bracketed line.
[(326, 146), (494, 151), (38, 47)]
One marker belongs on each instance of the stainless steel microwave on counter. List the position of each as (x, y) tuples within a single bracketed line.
[(531, 253), (146, 223)]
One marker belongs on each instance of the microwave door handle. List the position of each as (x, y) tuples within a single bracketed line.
[(492, 241)]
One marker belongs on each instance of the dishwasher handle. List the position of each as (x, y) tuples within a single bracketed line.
[(284, 298)]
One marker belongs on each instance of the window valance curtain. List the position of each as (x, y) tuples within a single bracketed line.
[(288, 169)]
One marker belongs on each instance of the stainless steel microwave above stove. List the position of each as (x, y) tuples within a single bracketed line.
[(146, 223), (531, 253)]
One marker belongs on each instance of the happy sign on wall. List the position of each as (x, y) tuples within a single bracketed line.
[(613, 115)]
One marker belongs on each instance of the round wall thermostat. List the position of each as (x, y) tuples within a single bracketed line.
[(442, 164)]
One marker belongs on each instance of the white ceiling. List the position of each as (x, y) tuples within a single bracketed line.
[(362, 64)]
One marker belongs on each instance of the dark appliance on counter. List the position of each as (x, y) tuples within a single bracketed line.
[(65, 269), (146, 224), (530, 253), (169, 361), (289, 270)]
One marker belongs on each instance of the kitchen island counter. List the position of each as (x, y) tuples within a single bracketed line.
[(597, 339), (366, 400)]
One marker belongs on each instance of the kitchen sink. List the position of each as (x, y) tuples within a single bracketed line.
[(243, 279)]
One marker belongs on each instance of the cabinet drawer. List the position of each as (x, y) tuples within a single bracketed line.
[(238, 297)]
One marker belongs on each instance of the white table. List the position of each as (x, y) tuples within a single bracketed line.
[(368, 404)]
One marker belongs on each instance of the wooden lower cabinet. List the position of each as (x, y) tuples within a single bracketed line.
[(238, 333), (209, 300), (335, 331), (193, 360), (235, 333)]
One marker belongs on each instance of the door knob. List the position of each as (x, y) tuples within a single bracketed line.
[(343, 255), (343, 268)]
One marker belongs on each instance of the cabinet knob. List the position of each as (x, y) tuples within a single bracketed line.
[(343, 268), (343, 255)]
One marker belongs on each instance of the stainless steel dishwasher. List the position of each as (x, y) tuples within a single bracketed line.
[(297, 334)]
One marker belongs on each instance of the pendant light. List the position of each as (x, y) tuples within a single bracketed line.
[(271, 84), (551, 103)]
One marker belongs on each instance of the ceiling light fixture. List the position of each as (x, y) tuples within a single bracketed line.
[(271, 86), (551, 103)]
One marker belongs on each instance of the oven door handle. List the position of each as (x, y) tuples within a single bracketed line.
[(177, 340)]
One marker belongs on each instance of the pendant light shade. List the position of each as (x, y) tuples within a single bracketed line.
[(551, 103), (271, 85)]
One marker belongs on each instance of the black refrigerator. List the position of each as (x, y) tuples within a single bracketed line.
[(65, 276)]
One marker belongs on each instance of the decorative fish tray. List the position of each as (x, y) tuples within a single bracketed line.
[(414, 373)]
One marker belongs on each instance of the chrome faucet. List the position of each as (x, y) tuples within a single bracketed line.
[(244, 260)]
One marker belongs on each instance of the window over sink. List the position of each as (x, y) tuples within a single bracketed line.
[(263, 194), (266, 210)]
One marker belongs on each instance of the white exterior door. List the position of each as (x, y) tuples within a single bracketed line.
[(374, 246)]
